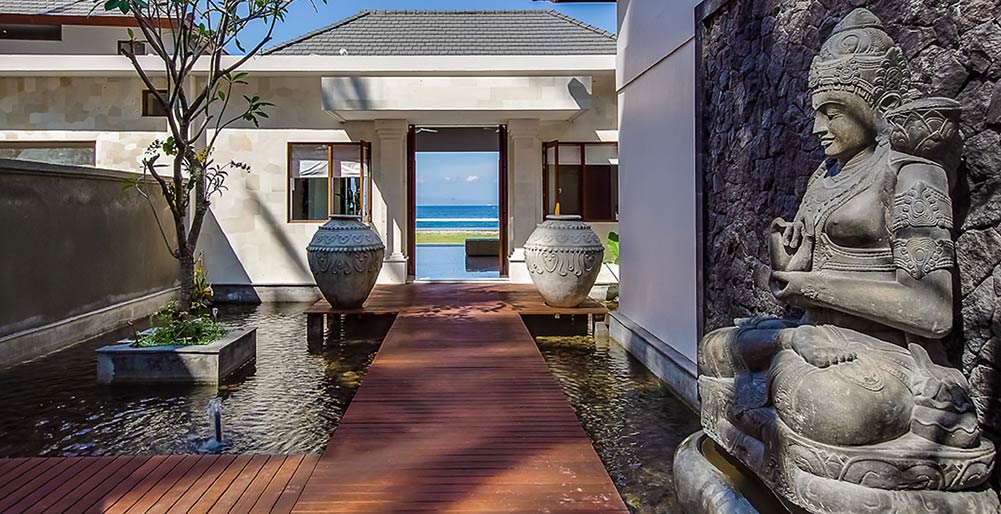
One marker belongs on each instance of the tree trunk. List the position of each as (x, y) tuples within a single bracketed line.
[(187, 277)]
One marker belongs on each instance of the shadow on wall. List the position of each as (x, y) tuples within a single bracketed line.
[(222, 264), (226, 269)]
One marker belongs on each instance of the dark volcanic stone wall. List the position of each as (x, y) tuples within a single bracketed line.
[(759, 151)]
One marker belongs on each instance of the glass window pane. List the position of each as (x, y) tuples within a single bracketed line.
[(599, 192), (345, 186), (550, 171), (570, 154), (308, 187), (52, 152), (569, 187), (602, 154)]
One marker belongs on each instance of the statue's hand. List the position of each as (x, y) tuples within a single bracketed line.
[(798, 288), (821, 355), (792, 236)]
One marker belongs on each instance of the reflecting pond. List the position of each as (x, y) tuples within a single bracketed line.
[(633, 419), (291, 402)]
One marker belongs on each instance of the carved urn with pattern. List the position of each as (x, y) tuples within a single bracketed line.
[(345, 256), (564, 256)]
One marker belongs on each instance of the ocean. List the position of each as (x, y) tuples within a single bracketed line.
[(457, 217)]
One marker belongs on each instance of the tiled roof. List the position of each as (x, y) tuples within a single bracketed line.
[(57, 7), (532, 32)]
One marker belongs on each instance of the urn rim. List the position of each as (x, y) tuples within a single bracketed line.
[(563, 217)]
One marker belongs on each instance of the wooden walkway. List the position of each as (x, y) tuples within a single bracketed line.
[(154, 484), (457, 413)]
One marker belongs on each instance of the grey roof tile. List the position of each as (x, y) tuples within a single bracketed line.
[(526, 32), (56, 7)]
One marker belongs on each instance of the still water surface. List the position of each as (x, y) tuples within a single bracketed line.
[(633, 419), (290, 403)]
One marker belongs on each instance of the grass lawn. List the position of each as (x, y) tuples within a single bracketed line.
[(449, 237)]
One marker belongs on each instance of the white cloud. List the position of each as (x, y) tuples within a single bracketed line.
[(472, 178), (447, 179)]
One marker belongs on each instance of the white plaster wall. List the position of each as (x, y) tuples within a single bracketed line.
[(107, 111), (77, 39), (599, 123), (247, 238), (657, 169)]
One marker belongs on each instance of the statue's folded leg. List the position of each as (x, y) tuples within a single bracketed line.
[(749, 347)]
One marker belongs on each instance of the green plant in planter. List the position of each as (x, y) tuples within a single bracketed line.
[(172, 327), (612, 247), (201, 296)]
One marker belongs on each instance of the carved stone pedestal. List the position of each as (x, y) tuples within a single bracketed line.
[(709, 482)]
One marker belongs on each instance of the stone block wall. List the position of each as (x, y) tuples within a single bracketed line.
[(759, 150)]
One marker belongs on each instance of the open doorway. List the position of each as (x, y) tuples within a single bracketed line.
[(457, 224)]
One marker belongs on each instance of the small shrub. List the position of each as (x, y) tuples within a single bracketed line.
[(172, 327), (201, 295), (612, 247)]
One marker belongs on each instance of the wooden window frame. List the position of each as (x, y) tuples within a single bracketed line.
[(125, 43), (582, 182), (147, 97), (365, 160)]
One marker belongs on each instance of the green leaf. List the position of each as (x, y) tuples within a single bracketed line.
[(132, 35), (222, 96)]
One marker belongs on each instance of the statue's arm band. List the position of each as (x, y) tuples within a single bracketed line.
[(921, 206), (919, 256)]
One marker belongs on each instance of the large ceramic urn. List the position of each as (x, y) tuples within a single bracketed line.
[(345, 257), (564, 258)]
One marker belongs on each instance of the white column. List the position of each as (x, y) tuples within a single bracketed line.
[(524, 191), (389, 176)]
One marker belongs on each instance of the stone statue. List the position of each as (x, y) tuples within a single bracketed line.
[(854, 408)]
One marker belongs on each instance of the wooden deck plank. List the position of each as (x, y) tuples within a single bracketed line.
[(21, 480), (111, 474), (293, 491), (269, 497), (240, 484), (220, 485), (459, 412), (195, 491), (246, 501), (142, 485), (9, 465), (44, 501), (424, 297), (40, 482), (165, 484), (190, 477)]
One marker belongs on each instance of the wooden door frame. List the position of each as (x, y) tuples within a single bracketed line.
[(411, 202), (502, 201)]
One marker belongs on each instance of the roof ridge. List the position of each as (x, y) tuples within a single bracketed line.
[(321, 30), (579, 23), (457, 11)]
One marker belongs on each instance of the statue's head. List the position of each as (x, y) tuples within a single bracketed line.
[(859, 75)]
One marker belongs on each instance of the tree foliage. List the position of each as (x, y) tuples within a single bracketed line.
[(191, 76)]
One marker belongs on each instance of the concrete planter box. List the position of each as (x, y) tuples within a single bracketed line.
[(206, 364)]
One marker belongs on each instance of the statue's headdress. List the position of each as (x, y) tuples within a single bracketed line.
[(861, 58)]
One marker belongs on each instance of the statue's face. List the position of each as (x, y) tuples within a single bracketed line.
[(845, 124)]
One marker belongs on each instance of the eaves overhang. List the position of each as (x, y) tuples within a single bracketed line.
[(315, 65)]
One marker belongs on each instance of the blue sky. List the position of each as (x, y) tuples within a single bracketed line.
[(302, 18), (467, 178)]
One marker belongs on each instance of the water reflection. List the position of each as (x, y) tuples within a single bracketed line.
[(290, 403), (633, 419)]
